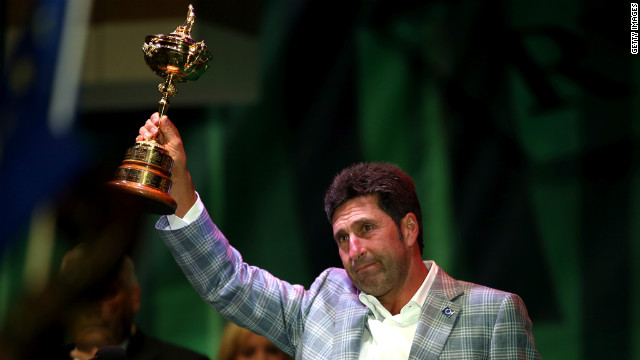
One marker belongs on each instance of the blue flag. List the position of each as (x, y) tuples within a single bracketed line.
[(37, 156)]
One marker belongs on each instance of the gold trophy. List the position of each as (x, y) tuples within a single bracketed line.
[(145, 172)]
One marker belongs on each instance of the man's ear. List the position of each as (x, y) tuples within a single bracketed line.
[(409, 228)]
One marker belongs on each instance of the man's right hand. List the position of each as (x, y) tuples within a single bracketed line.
[(182, 189)]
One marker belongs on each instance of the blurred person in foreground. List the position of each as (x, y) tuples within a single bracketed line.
[(104, 317), (387, 303), (238, 343)]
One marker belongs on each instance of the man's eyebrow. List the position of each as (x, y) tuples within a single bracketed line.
[(356, 223), (365, 220)]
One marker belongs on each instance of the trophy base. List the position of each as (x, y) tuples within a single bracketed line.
[(144, 178), (147, 198)]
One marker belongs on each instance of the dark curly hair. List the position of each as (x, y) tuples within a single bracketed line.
[(395, 190)]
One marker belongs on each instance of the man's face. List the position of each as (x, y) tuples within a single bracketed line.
[(104, 322), (371, 247)]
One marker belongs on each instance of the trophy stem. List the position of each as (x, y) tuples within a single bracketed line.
[(163, 106), (168, 90)]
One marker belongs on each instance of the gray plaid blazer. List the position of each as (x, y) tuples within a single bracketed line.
[(459, 320)]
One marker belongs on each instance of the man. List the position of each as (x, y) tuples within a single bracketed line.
[(105, 316), (385, 304)]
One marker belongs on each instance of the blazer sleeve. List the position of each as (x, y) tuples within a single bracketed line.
[(512, 336), (246, 295)]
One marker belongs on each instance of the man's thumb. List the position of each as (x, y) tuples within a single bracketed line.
[(167, 129)]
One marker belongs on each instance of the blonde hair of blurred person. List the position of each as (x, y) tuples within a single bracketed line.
[(238, 343)]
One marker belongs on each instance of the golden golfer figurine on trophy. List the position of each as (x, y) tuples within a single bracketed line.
[(146, 169)]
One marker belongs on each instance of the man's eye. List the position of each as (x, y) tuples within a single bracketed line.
[(343, 238), (366, 227)]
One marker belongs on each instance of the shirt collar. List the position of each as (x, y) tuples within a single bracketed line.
[(418, 299)]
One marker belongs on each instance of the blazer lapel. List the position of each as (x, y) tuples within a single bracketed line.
[(351, 317), (439, 313)]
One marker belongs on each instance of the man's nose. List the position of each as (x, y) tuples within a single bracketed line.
[(355, 247)]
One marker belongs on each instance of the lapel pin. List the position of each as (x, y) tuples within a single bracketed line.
[(448, 311)]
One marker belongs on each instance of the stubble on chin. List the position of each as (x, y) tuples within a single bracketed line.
[(372, 284)]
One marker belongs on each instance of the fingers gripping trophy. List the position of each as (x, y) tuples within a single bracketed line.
[(145, 172)]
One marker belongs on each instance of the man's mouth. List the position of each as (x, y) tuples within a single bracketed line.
[(363, 267)]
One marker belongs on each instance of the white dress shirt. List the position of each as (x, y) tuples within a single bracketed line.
[(176, 223), (390, 336)]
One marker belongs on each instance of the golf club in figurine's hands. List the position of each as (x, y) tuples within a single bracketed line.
[(145, 172)]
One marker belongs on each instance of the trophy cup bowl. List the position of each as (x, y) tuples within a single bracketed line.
[(176, 56), (145, 173)]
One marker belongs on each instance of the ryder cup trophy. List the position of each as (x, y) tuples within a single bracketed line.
[(145, 172)]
